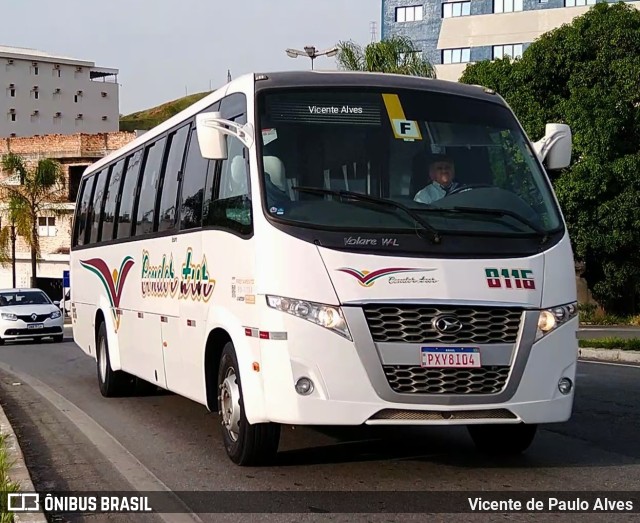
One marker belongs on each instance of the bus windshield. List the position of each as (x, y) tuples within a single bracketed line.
[(462, 165)]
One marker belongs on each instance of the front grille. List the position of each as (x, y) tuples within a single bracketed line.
[(414, 324), (439, 415), (39, 318), (407, 379)]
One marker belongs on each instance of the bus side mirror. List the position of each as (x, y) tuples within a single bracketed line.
[(211, 138), (554, 150)]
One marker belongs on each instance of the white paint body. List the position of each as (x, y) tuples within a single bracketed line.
[(163, 339)]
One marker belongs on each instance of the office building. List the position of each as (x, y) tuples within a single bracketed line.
[(453, 34), (42, 94)]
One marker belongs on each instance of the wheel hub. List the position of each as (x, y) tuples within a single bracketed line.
[(103, 361), (230, 405)]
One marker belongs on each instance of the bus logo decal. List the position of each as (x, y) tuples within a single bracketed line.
[(367, 278), (113, 281)]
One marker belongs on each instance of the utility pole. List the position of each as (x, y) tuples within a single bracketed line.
[(374, 32), (13, 252)]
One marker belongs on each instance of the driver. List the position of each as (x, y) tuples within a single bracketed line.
[(442, 173)]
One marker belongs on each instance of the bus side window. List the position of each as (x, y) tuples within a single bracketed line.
[(148, 187), (110, 202), (126, 197), (193, 185), (95, 211), (169, 184), (86, 191)]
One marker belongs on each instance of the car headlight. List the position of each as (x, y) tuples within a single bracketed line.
[(327, 316), (55, 314), (550, 319), (9, 316)]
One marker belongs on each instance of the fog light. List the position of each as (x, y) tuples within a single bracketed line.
[(565, 385), (304, 386)]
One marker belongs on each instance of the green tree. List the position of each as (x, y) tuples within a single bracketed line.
[(587, 74), (29, 193), (398, 55)]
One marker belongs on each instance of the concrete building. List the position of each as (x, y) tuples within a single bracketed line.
[(42, 94), (74, 152), (453, 34)]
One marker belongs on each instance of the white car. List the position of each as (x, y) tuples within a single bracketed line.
[(29, 314)]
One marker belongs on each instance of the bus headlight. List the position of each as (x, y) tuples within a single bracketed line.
[(327, 316), (550, 319)]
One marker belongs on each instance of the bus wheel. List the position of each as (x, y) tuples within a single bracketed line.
[(505, 440), (112, 383), (245, 444)]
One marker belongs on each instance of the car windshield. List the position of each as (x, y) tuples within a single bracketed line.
[(462, 164), (9, 299)]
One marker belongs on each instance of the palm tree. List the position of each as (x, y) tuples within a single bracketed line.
[(37, 192), (397, 54)]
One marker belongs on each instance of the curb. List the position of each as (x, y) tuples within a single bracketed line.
[(613, 355), (18, 471)]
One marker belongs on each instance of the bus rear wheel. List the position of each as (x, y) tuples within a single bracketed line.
[(502, 440), (112, 383), (246, 444)]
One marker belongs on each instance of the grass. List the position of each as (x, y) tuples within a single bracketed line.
[(611, 343), (590, 315), (145, 120), (6, 485)]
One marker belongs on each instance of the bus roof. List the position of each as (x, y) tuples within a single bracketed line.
[(305, 79)]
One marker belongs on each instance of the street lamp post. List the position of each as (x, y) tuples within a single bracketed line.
[(311, 52)]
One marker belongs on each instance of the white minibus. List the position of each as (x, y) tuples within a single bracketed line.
[(334, 248)]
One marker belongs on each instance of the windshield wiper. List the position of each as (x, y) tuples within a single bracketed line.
[(494, 212), (434, 235)]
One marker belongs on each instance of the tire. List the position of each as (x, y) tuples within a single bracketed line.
[(245, 444), (112, 383), (58, 338), (1, 341), (502, 440)]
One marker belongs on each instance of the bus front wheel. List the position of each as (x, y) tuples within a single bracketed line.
[(504, 440), (246, 444), (112, 383)]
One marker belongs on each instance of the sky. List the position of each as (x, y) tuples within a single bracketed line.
[(166, 48)]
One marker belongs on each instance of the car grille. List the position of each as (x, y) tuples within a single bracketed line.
[(414, 324), (407, 379), (39, 318)]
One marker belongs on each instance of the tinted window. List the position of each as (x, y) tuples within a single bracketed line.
[(109, 213), (23, 298), (148, 187), (83, 211), (127, 195), (193, 184), (96, 205), (167, 218), (232, 207)]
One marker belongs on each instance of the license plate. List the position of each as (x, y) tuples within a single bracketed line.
[(35, 326), (450, 357)]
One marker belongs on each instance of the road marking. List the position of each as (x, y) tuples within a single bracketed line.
[(610, 363), (140, 477)]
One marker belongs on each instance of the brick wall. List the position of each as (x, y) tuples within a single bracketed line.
[(69, 150), (58, 146)]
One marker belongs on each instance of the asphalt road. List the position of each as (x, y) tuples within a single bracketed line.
[(73, 438)]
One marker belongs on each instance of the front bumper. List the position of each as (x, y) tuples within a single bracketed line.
[(350, 386), (14, 330)]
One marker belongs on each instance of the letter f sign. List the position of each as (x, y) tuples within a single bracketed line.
[(406, 130)]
